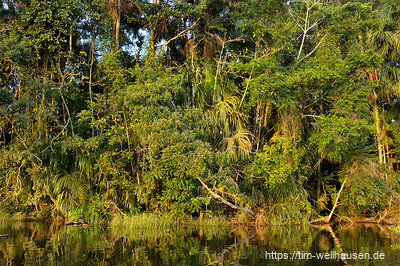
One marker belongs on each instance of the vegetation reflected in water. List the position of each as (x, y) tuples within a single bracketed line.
[(50, 244)]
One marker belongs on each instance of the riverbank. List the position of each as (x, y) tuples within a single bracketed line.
[(162, 221)]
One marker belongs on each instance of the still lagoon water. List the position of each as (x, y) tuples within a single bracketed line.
[(50, 244)]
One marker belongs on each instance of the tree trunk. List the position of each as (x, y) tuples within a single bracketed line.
[(117, 24), (327, 219), (115, 9), (152, 33), (378, 135), (91, 74)]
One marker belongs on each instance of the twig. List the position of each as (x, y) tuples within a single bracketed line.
[(16, 185)]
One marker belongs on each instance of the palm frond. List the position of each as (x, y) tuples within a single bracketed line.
[(239, 145), (385, 42), (69, 190)]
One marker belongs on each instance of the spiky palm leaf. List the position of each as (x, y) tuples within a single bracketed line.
[(70, 191), (391, 76), (239, 145), (228, 114), (385, 42)]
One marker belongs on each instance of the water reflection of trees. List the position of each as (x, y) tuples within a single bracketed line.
[(49, 244), (186, 246), (36, 244)]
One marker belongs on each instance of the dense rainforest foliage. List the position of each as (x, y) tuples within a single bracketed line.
[(284, 111)]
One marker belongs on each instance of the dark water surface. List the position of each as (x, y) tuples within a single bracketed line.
[(49, 244)]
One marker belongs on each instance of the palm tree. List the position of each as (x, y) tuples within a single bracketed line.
[(386, 41)]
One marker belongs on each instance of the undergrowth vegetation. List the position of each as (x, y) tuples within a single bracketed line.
[(199, 109)]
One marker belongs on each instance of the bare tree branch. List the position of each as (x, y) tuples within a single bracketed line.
[(215, 195), (23, 142), (315, 48), (182, 33), (306, 27)]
